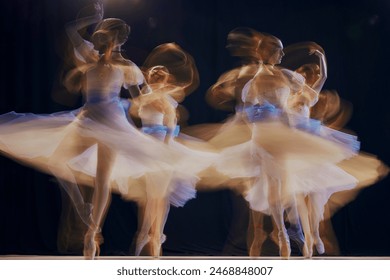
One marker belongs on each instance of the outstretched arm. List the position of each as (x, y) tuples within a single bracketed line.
[(72, 28), (317, 86)]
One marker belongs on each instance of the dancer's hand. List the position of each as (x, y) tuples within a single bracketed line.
[(316, 52)]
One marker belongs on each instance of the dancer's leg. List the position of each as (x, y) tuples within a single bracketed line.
[(304, 217), (58, 166), (164, 214), (275, 232), (316, 215), (149, 211), (328, 235), (157, 188), (145, 221), (277, 213), (259, 235), (162, 208), (295, 229), (84, 210), (100, 199)]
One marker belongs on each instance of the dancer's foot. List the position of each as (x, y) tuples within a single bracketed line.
[(308, 247), (284, 245), (319, 245), (156, 247), (92, 241), (140, 243)]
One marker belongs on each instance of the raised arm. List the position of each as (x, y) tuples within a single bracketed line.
[(72, 28), (317, 86)]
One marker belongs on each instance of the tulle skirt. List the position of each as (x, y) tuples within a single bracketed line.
[(265, 150), (68, 141), (177, 181)]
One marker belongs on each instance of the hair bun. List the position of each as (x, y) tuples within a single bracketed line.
[(108, 31)]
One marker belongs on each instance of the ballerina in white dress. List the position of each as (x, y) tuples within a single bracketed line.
[(157, 109), (369, 170), (310, 205), (61, 143), (262, 143)]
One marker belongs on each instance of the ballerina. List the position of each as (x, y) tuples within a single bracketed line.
[(157, 109), (158, 117), (234, 137), (306, 206), (61, 143), (310, 208), (315, 206), (292, 181), (265, 144), (155, 210)]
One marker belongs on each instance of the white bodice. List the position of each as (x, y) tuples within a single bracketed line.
[(104, 81)]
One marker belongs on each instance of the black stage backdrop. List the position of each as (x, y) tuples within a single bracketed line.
[(354, 35)]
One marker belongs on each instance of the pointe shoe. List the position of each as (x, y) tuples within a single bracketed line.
[(284, 245), (140, 244), (156, 248), (92, 241), (308, 247), (319, 246)]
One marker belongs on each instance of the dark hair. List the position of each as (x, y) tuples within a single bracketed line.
[(243, 42)]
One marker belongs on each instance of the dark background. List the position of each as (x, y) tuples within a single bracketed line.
[(354, 35)]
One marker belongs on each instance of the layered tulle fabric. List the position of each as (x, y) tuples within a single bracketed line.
[(322, 180), (263, 144), (69, 140), (262, 149), (287, 146), (176, 181)]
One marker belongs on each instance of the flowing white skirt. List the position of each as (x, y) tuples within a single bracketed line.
[(299, 156), (69, 140)]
